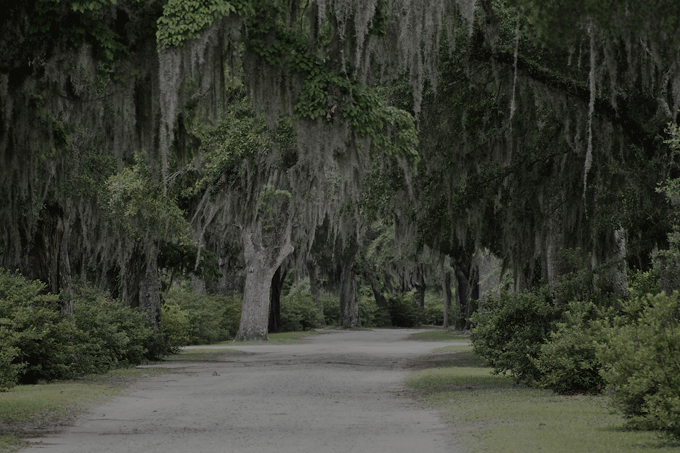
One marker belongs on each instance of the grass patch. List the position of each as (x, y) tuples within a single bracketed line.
[(200, 355), (491, 414), (11, 444), (455, 348), (281, 338), (44, 404), (27, 408), (439, 335), (462, 356)]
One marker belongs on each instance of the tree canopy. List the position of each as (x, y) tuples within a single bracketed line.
[(520, 127)]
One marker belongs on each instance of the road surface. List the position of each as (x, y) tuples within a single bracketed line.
[(338, 392)]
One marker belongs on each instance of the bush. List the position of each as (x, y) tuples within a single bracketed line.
[(42, 337), (641, 283), (567, 362), (9, 369), (331, 310), (39, 342), (641, 354), (434, 310), (175, 326), (404, 311), (369, 312), (510, 334), (231, 319), (210, 317), (299, 312), (110, 334)]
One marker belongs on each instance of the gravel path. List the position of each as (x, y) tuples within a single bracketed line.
[(339, 392)]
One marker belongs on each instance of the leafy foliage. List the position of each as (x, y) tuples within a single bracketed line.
[(176, 325), (109, 334), (331, 310), (183, 20), (91, 24), (39, 342), (142, 207), (404, 310), (239, 138), (433, 314), (299, 312), (184, 259), (641, 350), (200, 318), (567, 363), (511, 329), (369, 312), (9, 369)]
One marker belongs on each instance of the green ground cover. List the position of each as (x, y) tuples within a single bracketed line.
[(492, 414), (439, 335)]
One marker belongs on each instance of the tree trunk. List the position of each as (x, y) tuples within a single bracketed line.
[(230, 266), (467, 291), (275, 300), (198, 285), (140, 285), (446, 292), (610, 253), (150, 294), (262, 260), (555, 260), (349, 305), (380, 301), (421, 288), (462, 299)]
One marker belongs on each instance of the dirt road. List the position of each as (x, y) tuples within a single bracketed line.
[(339, 392)]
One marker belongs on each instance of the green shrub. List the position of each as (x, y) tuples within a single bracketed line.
[(434, 310), (369, 312), (404, 311), (567, 363), (42, 336), (39, 342), (175, 326), (331, 309), (641, 354), (211, 317), (231, 319), (299, 312), (641, 283), (510, 334), (9, 369), (111, 334)]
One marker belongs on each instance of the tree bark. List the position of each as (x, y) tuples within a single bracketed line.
[(275, 300), (262, 260), (150, 294), (421, 287), (554, 262), (380, 301), (198, 285), (609, 251), (446, 292), (349, 305), (467, 292), (140, 284)]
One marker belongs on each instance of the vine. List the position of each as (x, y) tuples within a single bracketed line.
[(184, 20)]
